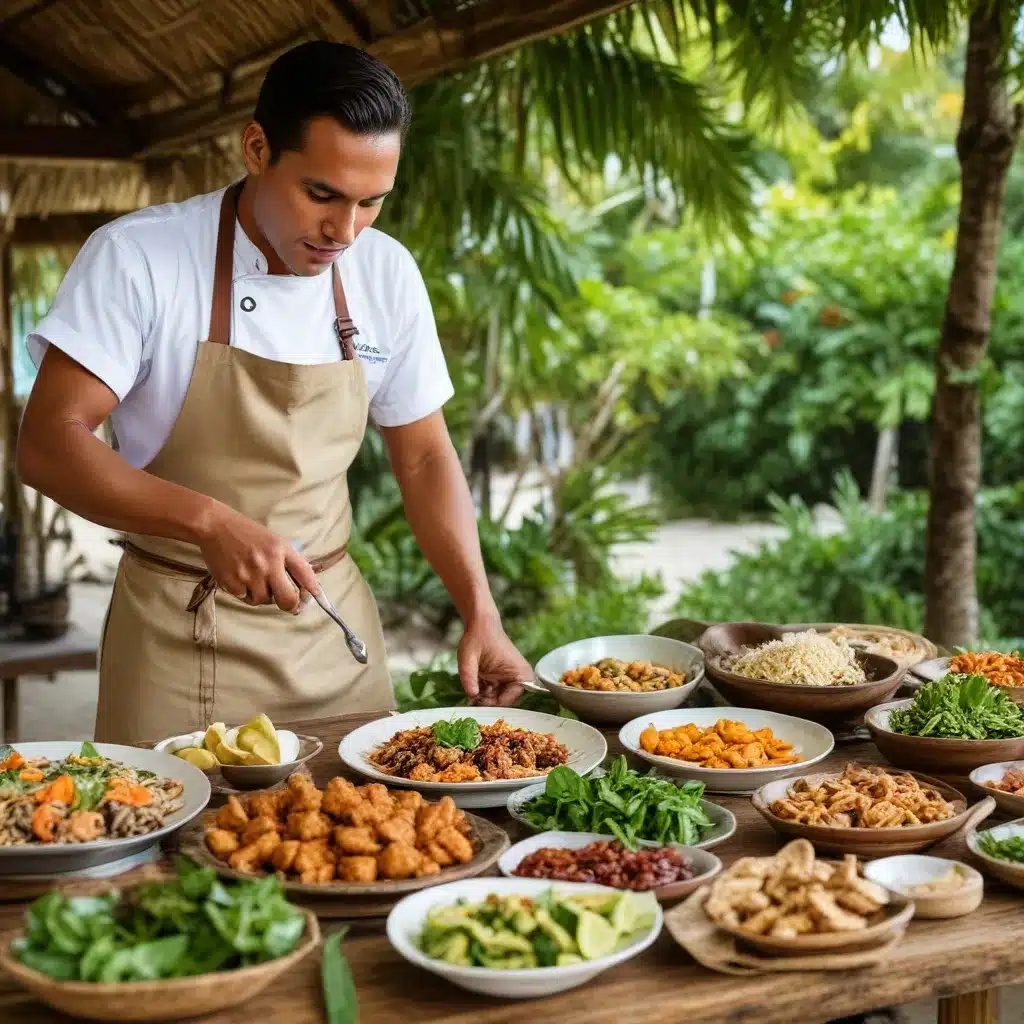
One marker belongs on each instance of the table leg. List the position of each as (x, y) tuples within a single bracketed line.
[(11, 710), (970, 1008)]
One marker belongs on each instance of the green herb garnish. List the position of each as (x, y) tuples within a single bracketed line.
[(88, 750), (958, 706), (459, 732), (1010, 848), (336, 981), (623, 803)]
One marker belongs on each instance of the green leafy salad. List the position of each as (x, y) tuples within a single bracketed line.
[(623, 803), (962, 707), (1011, 848), (553, 930)]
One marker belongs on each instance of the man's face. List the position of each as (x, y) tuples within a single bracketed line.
[(311, 204)]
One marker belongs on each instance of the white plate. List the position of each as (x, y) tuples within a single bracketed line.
[(811, 741), (926, 672), (406, 920), (724, 819), (618, 707), (993, 773), (587, 749), (52, 858)]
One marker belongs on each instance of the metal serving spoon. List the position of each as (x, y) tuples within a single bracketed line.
[(355, 645)]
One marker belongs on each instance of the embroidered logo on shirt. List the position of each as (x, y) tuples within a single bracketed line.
[(248, 303), (369, 353)]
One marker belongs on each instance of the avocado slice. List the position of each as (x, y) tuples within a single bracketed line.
[(562, 938)]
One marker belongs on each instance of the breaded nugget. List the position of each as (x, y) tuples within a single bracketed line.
[(456, 844), (340, 797), (437, 853), (311, 856), (305, 796), (398, 830), (407, 800), (269, 805), (232, 815), (398, 860), (366, 813), (252, 857), (307, 825), (379, 796), (256, 827), (427, 867), (222, 843), (357, 869), (354, 841), (284, 855), (432, 818)]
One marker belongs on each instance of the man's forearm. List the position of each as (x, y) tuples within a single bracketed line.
[(69, 464), (440, 511)]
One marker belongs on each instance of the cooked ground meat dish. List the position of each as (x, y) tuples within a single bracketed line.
[(608, 863), (610, 674), (501, 753)]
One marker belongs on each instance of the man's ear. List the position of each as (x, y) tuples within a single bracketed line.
[(255, 148)]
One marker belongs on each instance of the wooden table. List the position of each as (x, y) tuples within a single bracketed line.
[(76, 650), (960, 962)]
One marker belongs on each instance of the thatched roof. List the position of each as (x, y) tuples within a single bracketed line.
[(108, 105)]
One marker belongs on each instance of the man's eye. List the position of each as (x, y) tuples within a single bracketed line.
[(319, 197), (370, 203)]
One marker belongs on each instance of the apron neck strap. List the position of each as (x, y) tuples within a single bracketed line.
[(223, 276)]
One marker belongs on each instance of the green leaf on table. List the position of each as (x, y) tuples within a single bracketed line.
[(459, 732), (339, 988)]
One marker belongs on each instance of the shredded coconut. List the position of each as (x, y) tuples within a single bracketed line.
[(806, 659)]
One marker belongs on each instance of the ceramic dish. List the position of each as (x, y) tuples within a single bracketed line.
[(706, 865), (724, 819), (53, 858), (811, 741), (826, 704), (587, 749), (1007, 871), (900, 874), (1012, 805), (932, 753), (295, 750), (900, 645), (618, 707), (489, 843), (872, 842), (929, 671), (405, 922), (892, 921), (174, 999)]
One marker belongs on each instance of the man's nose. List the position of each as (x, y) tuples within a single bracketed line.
[(340, 226)]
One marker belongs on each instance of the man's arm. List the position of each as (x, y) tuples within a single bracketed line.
[(440, 511), (60, 456)]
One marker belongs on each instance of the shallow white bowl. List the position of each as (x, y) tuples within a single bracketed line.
[(993, 773), (45, 859), (614, 707), (811, 741), (406, 920), (1005, 870), (295, 750), (724, 820), (587, 749), (900, 874)]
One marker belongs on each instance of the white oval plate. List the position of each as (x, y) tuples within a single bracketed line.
[(587, 749), (49, 858), (405, 922), (811, 741), (724, 819), (1008, 802)]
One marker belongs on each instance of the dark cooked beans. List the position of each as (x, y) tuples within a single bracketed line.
[(608, 863)]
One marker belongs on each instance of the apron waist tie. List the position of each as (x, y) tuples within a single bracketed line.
[(204, 609)]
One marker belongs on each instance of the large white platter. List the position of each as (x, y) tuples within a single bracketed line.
[(406, 920), (811, 741), (51, 858), (587, 749)]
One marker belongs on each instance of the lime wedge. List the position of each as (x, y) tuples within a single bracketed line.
[(256, 742), (214, 735), (595, 936), (230, 755), (204, 760), (633, 912)]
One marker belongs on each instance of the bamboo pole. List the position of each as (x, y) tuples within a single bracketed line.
[(13, 498)]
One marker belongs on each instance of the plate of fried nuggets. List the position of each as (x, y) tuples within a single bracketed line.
[(795, 903), (347, 839)]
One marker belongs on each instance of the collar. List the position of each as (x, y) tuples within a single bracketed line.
[(248, 258)]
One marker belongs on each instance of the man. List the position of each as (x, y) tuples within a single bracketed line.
[(228, 469)]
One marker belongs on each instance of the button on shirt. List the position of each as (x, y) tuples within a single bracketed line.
[(136, 302)]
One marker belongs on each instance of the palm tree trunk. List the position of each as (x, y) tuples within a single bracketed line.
[(989, 128)]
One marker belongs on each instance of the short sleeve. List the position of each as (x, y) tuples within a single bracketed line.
[(416, 382), (103, 311)]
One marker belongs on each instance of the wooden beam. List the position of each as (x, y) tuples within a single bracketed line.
[(356, 19), (62, 144), (126, 33), (58, 229), (428, 49), (22, 12)]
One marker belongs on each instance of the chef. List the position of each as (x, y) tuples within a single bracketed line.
[(237, 342)]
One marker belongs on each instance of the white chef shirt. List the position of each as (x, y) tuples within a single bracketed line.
[(135, 304)]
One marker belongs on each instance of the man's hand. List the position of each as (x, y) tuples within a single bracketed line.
[(490, 667), (254, 564)]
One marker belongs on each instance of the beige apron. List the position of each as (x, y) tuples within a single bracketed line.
[(273, 441)]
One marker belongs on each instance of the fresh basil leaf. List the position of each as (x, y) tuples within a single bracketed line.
[(460, 732), (88, 750)]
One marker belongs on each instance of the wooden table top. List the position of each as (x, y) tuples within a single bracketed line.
[(663, 985)]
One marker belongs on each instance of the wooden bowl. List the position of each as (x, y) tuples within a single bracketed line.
[(1009, 803), (900, 874), (891, 920), (868, 843), (172, 1000), (825, 704), (933, 753), (1005, 870)]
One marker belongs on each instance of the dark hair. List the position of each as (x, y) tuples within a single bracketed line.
[(324, 79)]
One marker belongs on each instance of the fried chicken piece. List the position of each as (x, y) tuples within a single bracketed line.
[(456, 844), (269, 805), (398, 860), (423, 773), (252, 857), (470, 773), (438, 854), (407, 801), (222, 843), (284, 855), (318, 876), (232, 815), (427, 867), (398, 830), (379, 797), (308, 825), (432, 818), (357, 869), (256, 827), (304, 794), (356, 841), (311, 856), (366, 814), (341, 796)]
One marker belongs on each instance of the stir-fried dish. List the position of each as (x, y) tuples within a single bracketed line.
[(611, 675), (79, 799)]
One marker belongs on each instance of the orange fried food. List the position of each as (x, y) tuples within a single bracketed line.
[(1001, 669), (222, 843), (256, 827), (232, 815), (357, 869), (304, 794), (399, 860), (269, 805), (284, 856), (399, 829), (456, 844), (306, 825), (726, 744), (356, 840), (340, 797), (252, 857)]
